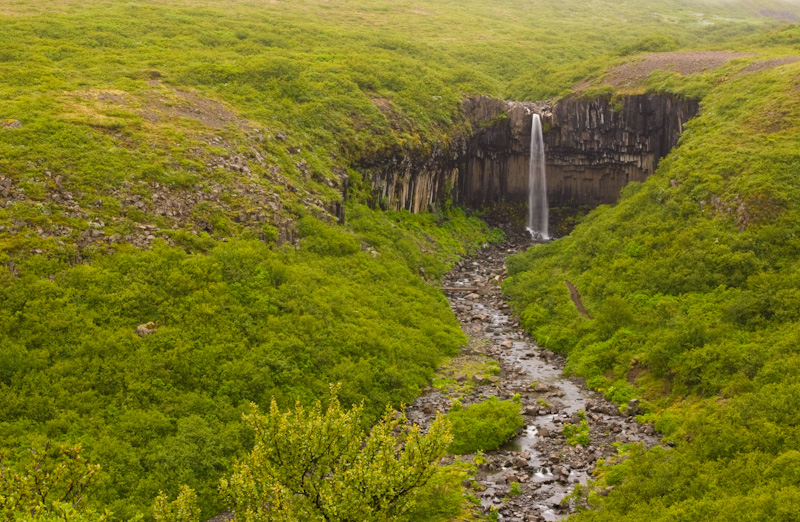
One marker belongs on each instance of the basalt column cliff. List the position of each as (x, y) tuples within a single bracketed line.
[(593, 147)]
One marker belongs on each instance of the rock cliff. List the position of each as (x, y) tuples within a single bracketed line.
[(593, 147)]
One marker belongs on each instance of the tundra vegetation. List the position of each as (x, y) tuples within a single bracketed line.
[(692, 282), (158, 157)]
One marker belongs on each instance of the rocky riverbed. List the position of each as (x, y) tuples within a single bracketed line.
[(539, 459)]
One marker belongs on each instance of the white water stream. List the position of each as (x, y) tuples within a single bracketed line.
[(537, 184)]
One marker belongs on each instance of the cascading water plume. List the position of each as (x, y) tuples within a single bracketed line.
[(537, 184)]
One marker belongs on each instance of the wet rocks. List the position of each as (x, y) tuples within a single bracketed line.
[(544, 466)]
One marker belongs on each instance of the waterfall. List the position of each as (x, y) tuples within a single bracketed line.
[(537, 184)]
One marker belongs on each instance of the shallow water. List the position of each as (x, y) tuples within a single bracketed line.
[(552, 468)]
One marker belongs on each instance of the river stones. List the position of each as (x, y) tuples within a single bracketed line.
[(544, 465)]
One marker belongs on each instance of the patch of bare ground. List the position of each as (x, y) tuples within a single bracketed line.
[(769, 64), (172, 103), (383, 105), (576, 299), (636, 71), (101, 106)]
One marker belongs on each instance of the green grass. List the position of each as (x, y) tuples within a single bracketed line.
[(461, 374)]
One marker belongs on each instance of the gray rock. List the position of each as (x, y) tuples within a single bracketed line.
[(10, 124), (560, 473), (143, 330)]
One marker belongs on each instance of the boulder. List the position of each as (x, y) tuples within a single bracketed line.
[(143, 330), (10, 124)]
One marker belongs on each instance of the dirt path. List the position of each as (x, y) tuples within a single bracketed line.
[(539, 458), (576, 298)]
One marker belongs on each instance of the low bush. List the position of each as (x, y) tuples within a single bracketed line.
[(484, 426)]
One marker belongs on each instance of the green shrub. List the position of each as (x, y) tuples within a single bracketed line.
[(484, 426), (577, 433)]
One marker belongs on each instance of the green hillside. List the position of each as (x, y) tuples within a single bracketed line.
[(154, 119), (181, 163), (692, 282)]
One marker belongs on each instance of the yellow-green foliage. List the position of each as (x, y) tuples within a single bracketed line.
[(244, 322), (49, 485), (182, 509), (443, 498), (317, 464), (484, 425)]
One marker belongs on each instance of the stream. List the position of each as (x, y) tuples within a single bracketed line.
[(538, 458)]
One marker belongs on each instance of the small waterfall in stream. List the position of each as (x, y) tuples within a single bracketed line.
[(537, 184)]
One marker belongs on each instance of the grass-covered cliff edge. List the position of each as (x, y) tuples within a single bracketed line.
[(692, 283), (181, 163)]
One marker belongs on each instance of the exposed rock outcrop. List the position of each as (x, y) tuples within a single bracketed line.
[(593, 147)]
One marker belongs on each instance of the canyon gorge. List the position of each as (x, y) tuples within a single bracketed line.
[(594, 147)]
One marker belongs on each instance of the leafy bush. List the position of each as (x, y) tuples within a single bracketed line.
[(442, 498), (317, 464), (51, 486), (577, 433), (484, 425)]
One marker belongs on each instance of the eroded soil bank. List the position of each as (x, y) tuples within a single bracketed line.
[(539, 458)]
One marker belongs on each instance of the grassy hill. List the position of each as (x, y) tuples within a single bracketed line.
[(157, 119), (692, 281), (180, 163)]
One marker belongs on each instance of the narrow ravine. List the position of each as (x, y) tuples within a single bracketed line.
[(539, 458)]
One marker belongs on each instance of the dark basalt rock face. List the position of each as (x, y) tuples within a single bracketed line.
[(593, 148)]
